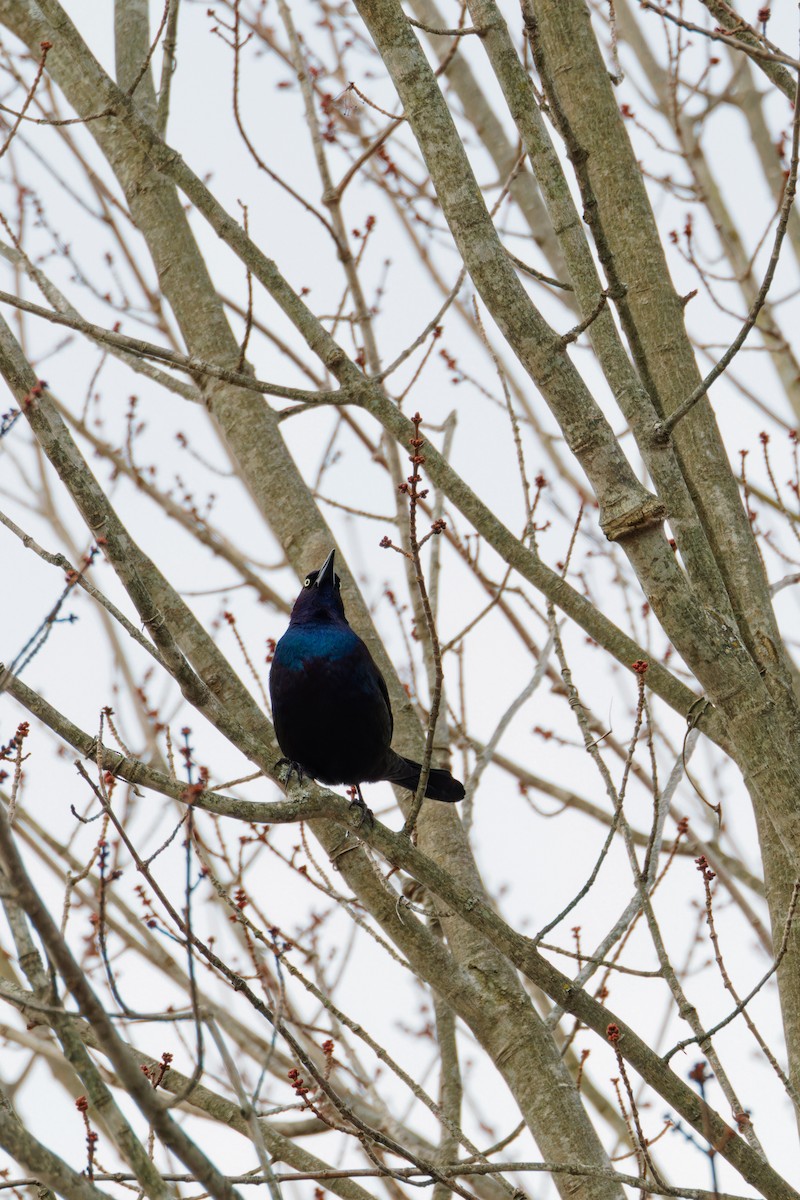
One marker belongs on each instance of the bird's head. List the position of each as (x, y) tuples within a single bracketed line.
[(320, 598)]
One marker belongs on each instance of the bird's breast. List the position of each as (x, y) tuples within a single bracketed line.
[(302, 645)]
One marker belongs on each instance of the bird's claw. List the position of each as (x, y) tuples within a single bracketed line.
[(293, 768), (365, 813)]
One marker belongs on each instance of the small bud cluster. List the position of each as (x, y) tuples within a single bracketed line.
[(92, 1138), (282, 944), (191, 793), (72, 576), (11, 747), (30, 398), (328, 1047), (705, 869), (300, 1089), (192, 790), (156, 1073)]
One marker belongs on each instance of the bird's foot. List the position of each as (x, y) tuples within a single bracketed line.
[(365, 813), (293, 768)]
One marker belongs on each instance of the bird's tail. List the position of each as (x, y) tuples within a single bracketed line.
[(441, 784)]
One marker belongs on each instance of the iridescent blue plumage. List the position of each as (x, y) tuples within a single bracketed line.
[(330, 705), (301, 643)]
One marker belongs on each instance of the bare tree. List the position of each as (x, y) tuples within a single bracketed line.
[(450, 214)]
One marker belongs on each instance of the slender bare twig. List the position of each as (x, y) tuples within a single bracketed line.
[(666, 426)]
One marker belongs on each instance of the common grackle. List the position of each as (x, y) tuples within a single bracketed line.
[(330, 704)]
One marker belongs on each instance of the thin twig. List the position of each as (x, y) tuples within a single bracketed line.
[(665, 427)]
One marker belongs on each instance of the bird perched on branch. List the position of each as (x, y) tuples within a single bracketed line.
[(330, 704)]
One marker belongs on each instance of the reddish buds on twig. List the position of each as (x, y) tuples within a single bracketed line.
[(82, 1105), (705, 869), (300, 1089), (156, 1074), (29, 399)]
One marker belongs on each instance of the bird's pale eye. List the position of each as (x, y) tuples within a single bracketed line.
[(307, 582)]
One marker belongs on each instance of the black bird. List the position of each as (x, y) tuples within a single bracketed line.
[(330, 704)]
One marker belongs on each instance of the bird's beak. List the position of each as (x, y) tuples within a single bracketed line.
[(326, 575)]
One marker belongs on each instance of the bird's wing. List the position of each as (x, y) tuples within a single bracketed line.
[(380, 683), (385, 693)]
